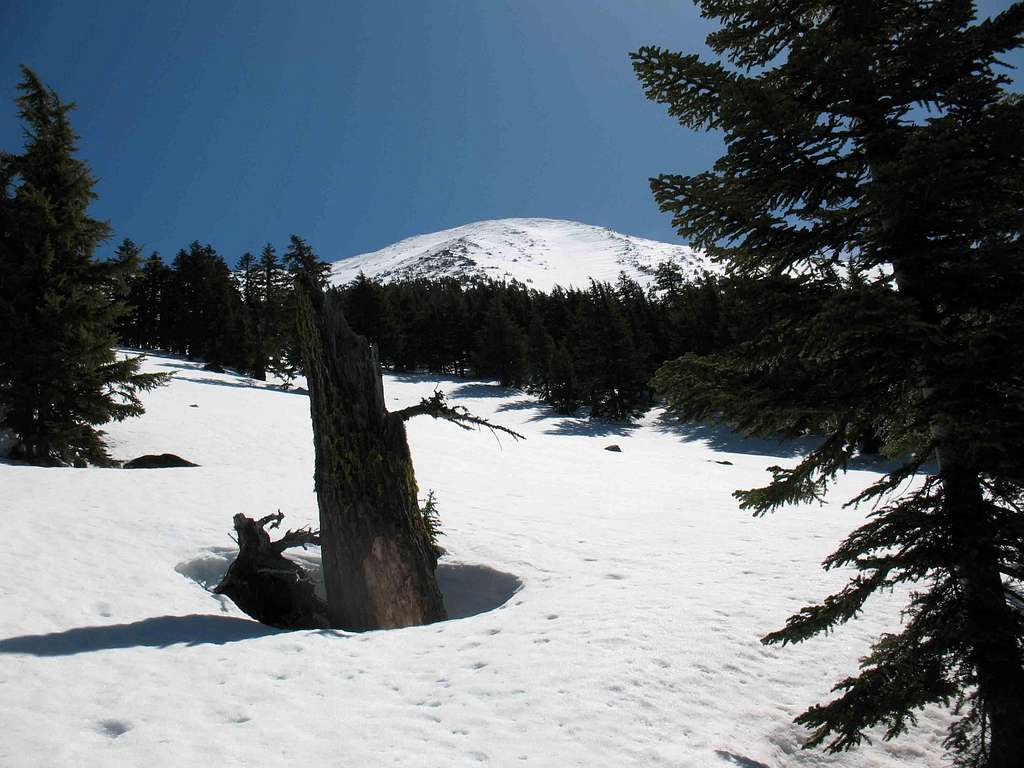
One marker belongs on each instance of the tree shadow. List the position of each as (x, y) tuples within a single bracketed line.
[(721, 438), (591, 428), (726, 440), (740, 760), (156, 632), (248, 385), (527, 404), (482, 390), (414, 377), (240, 381)]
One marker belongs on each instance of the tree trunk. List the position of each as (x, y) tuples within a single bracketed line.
[(992, 629), (377, 560)]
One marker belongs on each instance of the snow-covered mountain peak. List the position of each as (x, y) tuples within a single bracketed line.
[(542, 253)]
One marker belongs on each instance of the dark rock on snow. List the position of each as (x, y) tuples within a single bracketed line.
[(613, 448), (154, 461)]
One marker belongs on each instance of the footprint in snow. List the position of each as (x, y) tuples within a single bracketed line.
[(113, 728)]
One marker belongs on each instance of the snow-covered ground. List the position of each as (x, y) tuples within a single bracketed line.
[(542, 253), (632, 595)]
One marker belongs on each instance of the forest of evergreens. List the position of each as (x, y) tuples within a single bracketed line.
[(595, 347)]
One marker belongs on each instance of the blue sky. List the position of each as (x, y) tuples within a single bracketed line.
[(355, 124)]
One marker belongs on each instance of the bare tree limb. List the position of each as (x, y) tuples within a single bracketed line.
[(274, 520), (436, 406), (300, 538)]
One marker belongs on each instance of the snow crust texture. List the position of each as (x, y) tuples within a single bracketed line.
[(611, 603), (542, 253)]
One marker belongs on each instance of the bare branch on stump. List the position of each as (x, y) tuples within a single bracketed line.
[(302, 537), (437, 407)]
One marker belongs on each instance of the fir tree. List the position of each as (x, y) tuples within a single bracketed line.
[(364, 307), (273, 307), (608, 362), (541, 356), (208, 308), (128, 323), (148, 298), (564, 391), (59, 376), (501, 347), (834, 172), (300, 262), (300, 259), (247, 282)]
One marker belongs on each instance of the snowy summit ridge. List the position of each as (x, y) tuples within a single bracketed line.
[(542, 253)]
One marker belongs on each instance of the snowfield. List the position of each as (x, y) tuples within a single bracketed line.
[(627, 596), (542, 253)]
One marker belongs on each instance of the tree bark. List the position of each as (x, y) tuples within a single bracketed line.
[(377, 560)]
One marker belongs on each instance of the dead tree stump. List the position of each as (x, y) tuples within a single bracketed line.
[(268, 586), (378, 563)]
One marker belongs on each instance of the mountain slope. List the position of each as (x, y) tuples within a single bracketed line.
[(539, 252)]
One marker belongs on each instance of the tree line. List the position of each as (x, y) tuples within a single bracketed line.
[(198, 307), (595, 347)]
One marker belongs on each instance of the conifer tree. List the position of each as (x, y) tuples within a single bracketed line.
[(246, 277), (364, 307), (208, 307), (148, 297), (541, 355), (272, 302), (299, 261), (564, 391), (501, 347), (129, 324), (59, 376), (608, 363), (834, 172)]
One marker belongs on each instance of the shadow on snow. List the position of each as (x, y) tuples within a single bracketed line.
[(719, 437), (478, 390), (156, 632), (740, 760), (468, 589), (240, 381)]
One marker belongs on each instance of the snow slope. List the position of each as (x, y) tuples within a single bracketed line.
[(628, 596), (539, 252)]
